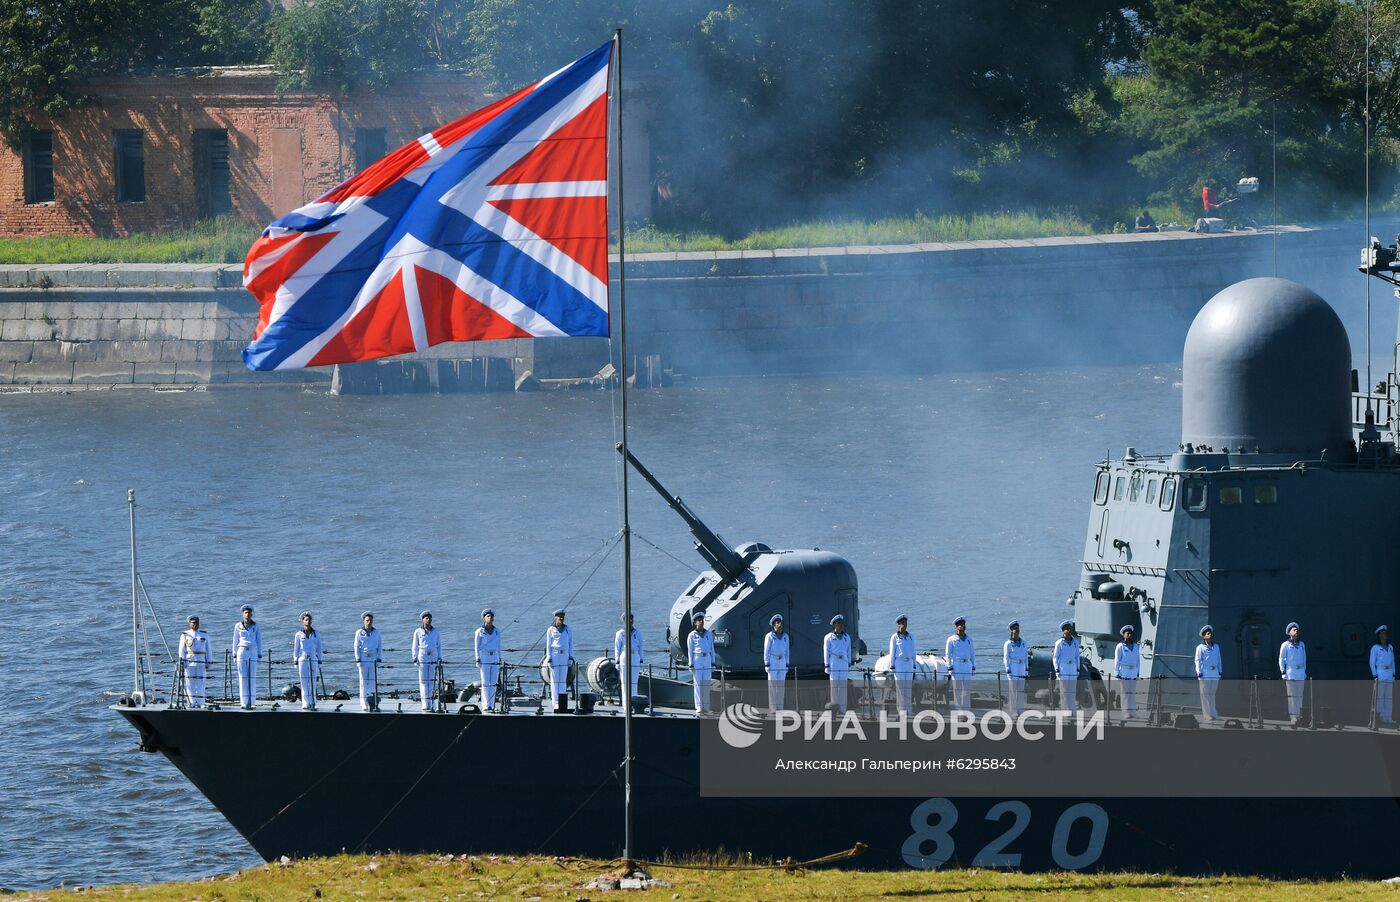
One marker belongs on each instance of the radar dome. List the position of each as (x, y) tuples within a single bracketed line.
[(1268, 366)]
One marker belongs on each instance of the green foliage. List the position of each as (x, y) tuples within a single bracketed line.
[(215, 241), (234, 31), (344, 44), (49, 48), (1220, 73)]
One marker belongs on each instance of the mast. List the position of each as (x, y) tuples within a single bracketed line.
[(135, 602), (626, 688)]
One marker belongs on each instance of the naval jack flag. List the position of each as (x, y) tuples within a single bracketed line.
[(492, 226)]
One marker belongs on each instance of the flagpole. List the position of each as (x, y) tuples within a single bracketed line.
[(626, 673)]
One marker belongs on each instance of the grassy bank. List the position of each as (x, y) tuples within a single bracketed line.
[(487, 877), (226, 241)]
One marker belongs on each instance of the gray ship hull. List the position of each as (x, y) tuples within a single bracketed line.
[(296, 784)]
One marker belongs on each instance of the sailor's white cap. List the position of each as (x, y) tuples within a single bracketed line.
[(425, 614), (901, 617), (1291, 627), (698, 615), (246, 607), (839, 618), (303, 615), (1207, 629), (776, 618), (1013, 625), (962, 620), (365, 614), (486, 611), (1066, 624), (1126, 628), (559, 612), (1382, 629)]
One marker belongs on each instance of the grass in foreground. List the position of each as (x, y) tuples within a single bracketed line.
[(505, 877), (215, 241), (227, 241)]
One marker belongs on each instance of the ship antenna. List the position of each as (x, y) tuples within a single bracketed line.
[(626, 687), (1366, 118), (137, 683), (1273, 180)]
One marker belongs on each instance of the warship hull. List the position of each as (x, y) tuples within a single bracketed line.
[(300, 784)]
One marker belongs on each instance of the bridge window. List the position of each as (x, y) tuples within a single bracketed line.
[(1168, 494), (1151, 491), (1231, 495), (1266, 494), (1118, 488), (1135, 487), (1196, 496), (1101, 482)]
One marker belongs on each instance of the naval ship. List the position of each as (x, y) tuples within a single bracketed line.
[(1276, 507)]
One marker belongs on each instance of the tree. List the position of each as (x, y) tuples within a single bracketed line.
[(1218, 73), (344, 44), (50, 48)]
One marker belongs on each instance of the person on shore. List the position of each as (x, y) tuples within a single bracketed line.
[(427, 657), (559, 653), (1210, 204), (369, 651), (1126, 664), (1145, 223), (700, 648), (775, 662), (1208, 672), (1293, 666), (962, 664), (1383, 672), (247, 651), (630, 669), (1016, 659), (836, 660), (194, 655), (1066, 662), (486, 642), (903, 661), (306, 658)]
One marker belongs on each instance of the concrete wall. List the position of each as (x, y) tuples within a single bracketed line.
[(1003, 304)]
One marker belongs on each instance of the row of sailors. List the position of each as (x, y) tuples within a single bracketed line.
[(837, 658), (961, 663), (426, 649)]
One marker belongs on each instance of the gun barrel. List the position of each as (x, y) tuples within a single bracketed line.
[(710, 546)]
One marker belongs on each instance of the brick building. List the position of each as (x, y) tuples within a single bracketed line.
[(167, 150)]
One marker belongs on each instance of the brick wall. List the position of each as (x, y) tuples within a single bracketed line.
[(283, 149)]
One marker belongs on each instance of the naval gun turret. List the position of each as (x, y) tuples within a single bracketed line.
[(747, 585)]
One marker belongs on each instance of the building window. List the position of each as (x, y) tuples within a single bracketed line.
[(369, 147), (212, 172), (130, 153), (38, 167)]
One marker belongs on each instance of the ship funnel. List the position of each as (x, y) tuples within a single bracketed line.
[(1267, 367)]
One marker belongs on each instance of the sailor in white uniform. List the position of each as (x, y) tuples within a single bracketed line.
[(1293, 665), (369, 651), (1383, 671), (247, 650), (776, 648), (487, 643), (700, 648), (194, 654), (559, 652), (1066, 663), (902, 661), (427, 656), (1016, 658), (1127, 662), (1208, 672), (630, 670), (306, 658), (836, 659), (962, 664)]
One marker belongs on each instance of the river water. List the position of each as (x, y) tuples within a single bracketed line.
[(950, 494)]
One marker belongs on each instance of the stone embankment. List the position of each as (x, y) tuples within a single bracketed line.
[(926, 307)]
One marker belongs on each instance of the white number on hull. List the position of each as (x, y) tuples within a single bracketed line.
[(935, 832), (993, 854), (1098, 831), (933, 820)]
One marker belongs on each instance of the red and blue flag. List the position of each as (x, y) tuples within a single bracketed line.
[(492, 226)]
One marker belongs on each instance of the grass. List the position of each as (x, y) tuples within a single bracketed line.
[(215, 241), (917, 229), (504, 877), (227, 241)]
